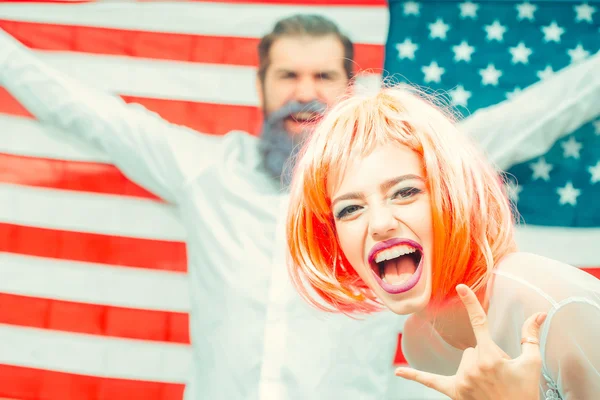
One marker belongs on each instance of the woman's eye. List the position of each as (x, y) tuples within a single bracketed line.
[(347, 211), (407, 192)]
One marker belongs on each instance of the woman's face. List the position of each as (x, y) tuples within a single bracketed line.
[(383, 220)]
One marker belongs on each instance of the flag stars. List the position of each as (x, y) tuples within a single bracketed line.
[(596, 127), (513, 190), (490, 75), (468, 10), (552, 32), (438, 29), (584, 12), (578, 54), (541, 169), (460, 96), (433, 72), (525, 11), (515, 92), (412, 8), (595, 172), (407, 49), (568, 194), (495, 31), (463, 52), (520, 53), (571, 148), (546, 72)]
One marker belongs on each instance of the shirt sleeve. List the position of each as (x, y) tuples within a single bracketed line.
[(527, 126), (570, 349), (152, 152)]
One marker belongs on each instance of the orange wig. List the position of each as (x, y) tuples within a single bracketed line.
[(472, 218)]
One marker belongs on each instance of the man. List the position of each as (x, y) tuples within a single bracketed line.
[(252, 335)]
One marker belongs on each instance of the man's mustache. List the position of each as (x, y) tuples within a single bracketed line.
[(277, 146)]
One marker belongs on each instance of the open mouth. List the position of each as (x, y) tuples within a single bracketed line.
[(299, 122), (396, 264)]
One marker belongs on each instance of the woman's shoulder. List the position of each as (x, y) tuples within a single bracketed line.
[(534, 275)]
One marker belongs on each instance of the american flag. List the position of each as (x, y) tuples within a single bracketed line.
[(478, 54), (93, 294)]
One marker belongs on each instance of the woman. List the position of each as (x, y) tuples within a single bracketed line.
[(392, 206)]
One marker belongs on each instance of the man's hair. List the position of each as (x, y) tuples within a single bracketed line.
[(303, 25), (471, 215)]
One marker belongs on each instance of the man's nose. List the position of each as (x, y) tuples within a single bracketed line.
[(306, 90), (382, 223)]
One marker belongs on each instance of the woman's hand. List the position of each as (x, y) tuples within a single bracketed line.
[(486, 372)]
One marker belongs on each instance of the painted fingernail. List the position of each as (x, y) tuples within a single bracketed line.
[(461, 290), (541, 318)]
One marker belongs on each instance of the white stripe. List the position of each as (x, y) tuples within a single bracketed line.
[(93, 355), (27, 137), (89, 212), (161, 79), (171, 80), (362, 24), (575, 246), (93, 283)]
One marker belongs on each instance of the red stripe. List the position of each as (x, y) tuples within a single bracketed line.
[(68, 175), (37, 384), (94, 319), (595, 271), (158, 45), (399, 357), (362, 3), (94, 248), (202, 117)]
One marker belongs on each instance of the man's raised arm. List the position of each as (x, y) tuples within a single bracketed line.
[(154, 153), (528, 125)]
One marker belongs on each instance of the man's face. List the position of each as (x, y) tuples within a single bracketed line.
[(303, 69)]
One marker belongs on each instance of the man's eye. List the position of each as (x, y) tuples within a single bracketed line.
[(347, 211)]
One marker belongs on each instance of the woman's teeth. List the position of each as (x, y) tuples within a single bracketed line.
[(394, 252)]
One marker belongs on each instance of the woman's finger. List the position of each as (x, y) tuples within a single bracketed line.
[(476, 313), (441, 383), (530, 335)]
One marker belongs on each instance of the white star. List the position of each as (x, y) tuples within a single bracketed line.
[(438, 29), (568, 194), (552, 32), (571, 148), (541, 169), (411, 8), (433, 72), (520, 53), (513, 190), (468, 10), (578, 54), (406, 49), (597, 127), (460, 96), (515, 92), (525, 11), (595, 171), (490, 75), (463, 52), (495, 31), (545, 73), (584, 12)]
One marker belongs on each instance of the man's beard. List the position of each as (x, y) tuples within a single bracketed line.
[(279, 147)]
